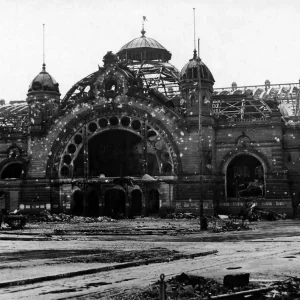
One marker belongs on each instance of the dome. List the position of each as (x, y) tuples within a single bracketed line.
[(43, 82), (190, 70), (144, 48)]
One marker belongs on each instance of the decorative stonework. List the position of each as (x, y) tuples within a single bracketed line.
[(92, 121)]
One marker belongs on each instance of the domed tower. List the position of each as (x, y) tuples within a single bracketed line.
[(189, 85), (147, 58), (144, 48), (43, 99), (196, 82)]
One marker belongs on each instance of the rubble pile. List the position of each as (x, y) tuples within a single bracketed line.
[(46, 216), (285, 290), (186, 286), (252, 212), (223, 223), (180, 216)]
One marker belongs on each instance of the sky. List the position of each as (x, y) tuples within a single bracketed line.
[(242, 41)]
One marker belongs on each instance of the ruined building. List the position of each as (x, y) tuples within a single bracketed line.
[(126, 139)]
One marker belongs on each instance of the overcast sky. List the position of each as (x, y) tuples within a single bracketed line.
[(246, 41)]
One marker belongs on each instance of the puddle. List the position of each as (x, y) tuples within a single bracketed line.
[(125, 280), (60, 291), (95, 284)]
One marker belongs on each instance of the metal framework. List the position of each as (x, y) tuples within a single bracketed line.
[(81, 89), (14, 118), (251, 103), (240, 109), (158, 75)]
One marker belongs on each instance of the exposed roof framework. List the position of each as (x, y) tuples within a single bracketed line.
[(264, 97), (14, 118), (162, 76), (240, 110), (81, 89)]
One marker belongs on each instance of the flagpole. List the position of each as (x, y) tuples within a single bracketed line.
[(203, 223), (44, 65)]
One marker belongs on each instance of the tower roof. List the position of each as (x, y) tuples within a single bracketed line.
[(43, 82), (189, 71), (144, 48)]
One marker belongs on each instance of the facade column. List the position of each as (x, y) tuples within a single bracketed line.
[(85, 165)]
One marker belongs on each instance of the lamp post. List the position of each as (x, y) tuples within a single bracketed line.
[(203, 223)]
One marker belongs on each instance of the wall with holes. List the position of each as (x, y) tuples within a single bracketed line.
[(264, 141), (131, 118), (150, 145), (291, 144)]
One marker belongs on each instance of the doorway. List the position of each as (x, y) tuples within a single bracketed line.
[(153, 201), (115, 202), (245, 177), (77, 203), (136, 203)]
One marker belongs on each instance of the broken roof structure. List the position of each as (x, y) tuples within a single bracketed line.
[(137, 116)]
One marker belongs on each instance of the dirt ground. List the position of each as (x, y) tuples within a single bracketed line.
[(44, 260)]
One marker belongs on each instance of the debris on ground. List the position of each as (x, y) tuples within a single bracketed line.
[(285, 290), (179, 216), (186, 286), (15, 220), (189, 286), (46, 216), (252, 212), (249, 212), (223, 223)]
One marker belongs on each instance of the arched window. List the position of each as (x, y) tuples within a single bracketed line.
[(12, 171)]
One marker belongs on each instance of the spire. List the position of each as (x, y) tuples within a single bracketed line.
[(143, 30), (195, 54), (44, 65), (195, 51)]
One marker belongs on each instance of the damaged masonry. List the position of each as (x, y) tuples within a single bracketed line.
[(124, 140), (105, 190)]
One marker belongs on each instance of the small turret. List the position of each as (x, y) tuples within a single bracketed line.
[(189, 79), (43, 98)]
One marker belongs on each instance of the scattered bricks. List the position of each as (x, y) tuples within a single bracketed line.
[(187, 291), (236, 280)]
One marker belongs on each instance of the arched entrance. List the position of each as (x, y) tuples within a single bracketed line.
[(92, 208), (136, 202), (153, 201), (115, 145), (245, 177), (77, 209), (12, 170), (115, 202), (116, 153)]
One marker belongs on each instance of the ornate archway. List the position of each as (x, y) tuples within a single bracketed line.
[(71, 150)]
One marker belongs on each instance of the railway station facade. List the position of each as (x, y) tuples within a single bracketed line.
[(128, 139)]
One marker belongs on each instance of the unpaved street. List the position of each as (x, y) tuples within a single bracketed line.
[(270, 251)]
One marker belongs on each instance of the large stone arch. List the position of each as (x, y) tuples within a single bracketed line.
[(238, 182), (253, 152), (84, 119)]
